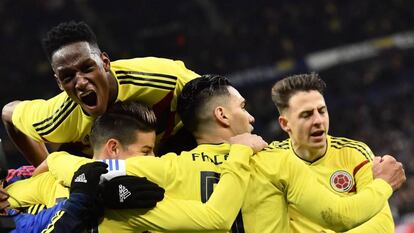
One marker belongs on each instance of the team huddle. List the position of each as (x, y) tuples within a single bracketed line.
[(147, 145)]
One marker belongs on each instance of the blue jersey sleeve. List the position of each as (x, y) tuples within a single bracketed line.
[(35, 223), (70, 215)]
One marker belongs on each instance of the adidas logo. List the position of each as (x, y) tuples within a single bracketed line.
[(81, 178), (123, 193)]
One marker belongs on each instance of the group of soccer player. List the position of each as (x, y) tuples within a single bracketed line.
[(112, 117)]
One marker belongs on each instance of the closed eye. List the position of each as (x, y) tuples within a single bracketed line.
[(67, 78), (322, 110), (88, 69), (306, 114), (147, 151)]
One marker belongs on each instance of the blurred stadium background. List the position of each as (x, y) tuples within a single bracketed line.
[(362, 49)]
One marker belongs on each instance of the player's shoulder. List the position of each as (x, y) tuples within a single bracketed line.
[(278, 146), (350, 145), (162, 70), (144, 61), (66, 155), (169, 155), (275, 147), (273, 157), (343, 142)]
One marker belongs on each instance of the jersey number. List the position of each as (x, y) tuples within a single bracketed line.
[(208, 179)]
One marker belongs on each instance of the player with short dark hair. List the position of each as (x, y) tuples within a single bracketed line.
[(176, 213), (67, 33), (122, 122), (215, 112), (342, 165), (284, 89), (192, 104), (126, 129), (132, 116), (91, 83)]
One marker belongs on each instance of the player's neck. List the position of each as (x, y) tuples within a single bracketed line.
[(99, 154), (307, 154), (212, 137)]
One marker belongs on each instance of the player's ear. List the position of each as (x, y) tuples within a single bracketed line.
[(220, 115), (112, 148), (58, 82), (283, 122), (106, 61)]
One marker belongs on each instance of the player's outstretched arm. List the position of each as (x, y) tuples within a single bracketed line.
[(35, 152)]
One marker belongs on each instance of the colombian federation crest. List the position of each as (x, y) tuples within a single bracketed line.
[(341, 181)]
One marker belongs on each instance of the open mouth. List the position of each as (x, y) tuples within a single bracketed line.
[(317, 133), (90, 99)]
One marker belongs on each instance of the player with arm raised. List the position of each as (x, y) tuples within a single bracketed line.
[(91, 83)]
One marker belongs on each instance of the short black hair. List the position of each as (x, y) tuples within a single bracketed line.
[(120, 121), (196, 94), (285, 88), (67, 33)]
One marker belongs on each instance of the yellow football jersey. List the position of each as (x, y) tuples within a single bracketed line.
[(41, 189), (280, 180), (153, 81), (277, 180), (190, 176), (345, 169)]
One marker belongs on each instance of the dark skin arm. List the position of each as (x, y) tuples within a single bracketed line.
[(34, 152)]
